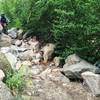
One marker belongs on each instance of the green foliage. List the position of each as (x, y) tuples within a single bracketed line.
[(18, 97), (74, 25), (76, 28), (14, 80)]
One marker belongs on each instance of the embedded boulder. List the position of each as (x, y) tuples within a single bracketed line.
[(5, 40), (72, 59), (54, 75), (77, 66), (4, 63), (93, 82)]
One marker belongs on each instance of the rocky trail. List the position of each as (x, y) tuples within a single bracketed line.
[(46, 81)]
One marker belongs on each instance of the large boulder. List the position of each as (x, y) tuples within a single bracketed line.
[(74, 68), (72, 59), (5, 49), (27, 55), (12, 32), (5, 92), (40, 89), (12, 59), (4, 63), (54, 75), (44, 90), (5, 40), (93, 82), (48, 50), (16, 50), (19, 64)]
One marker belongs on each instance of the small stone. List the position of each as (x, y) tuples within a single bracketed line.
[(27, 63), (40, 90), (64, 84), (29, 93)]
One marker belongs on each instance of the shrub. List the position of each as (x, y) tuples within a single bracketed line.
[(76, 28), (73, 25), (15, 81)]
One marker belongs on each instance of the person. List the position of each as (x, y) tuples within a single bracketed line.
[(4, 21)]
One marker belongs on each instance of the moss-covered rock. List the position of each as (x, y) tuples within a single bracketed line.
[(4, 64), (5, 40)]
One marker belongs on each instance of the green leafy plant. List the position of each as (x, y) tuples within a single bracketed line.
[(15, 80)]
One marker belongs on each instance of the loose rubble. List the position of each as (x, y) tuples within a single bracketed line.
[(46, 79)]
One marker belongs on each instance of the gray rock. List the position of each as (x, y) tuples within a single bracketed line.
[(12, 59), (74, 71), (72, 59), (56, 61), (5, 92), (18, 43), (27, 55), (54, 75), (93, 82), (48, 50), (4, 63), (54, 92), (12, 32), (5, 49), (50, 90), (2, 75), (17, 49), (36, 69), (34, 45), (5, 40)]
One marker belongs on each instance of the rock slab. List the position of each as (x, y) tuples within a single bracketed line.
[(93, 82)]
